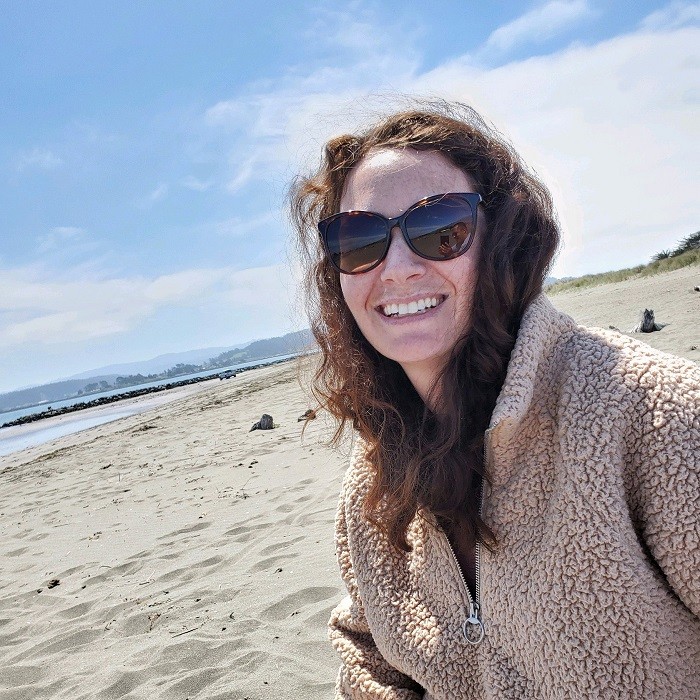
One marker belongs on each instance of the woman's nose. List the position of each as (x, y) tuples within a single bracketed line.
[(401, 263)]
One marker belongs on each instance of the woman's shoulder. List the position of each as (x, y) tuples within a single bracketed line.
[(616, 354)]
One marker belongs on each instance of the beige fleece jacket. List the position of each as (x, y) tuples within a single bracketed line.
[(594, 588)]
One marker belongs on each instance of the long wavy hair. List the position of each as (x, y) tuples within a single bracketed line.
[(422, 460)]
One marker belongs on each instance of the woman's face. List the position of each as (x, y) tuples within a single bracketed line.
[(388, 182)]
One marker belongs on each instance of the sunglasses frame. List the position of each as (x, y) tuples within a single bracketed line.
[(472, 198)]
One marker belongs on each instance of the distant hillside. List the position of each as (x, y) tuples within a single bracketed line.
[(289, 344), (261, 349), (157, 364)]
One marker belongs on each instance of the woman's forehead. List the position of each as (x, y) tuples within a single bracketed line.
[(405, 175)]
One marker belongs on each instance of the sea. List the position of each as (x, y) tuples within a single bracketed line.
[(31, 434)]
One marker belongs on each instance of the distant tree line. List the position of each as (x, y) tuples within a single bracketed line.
[(69, 389)]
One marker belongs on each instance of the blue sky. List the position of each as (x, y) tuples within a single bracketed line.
[(146, 148)]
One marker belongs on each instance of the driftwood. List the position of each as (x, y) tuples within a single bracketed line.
[(265, 423), (647, 324), (309, 414)]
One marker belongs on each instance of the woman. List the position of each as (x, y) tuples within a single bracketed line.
[(520, 516)]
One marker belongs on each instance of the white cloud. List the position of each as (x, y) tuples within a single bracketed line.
[(674, 16), (158, 193), (192, 183), (537, 25), (226, 112), (37, 308), (58, 237), (243, 175), (612, 128), (239, 226), (38, 158)]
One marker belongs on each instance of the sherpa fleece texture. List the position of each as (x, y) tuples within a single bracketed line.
[(594, 588)]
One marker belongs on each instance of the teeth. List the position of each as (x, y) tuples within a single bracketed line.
[(413, 307)]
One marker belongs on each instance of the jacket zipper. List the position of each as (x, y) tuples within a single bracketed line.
[(473, 626)]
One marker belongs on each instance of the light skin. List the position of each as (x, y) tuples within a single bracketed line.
[(388, 182)]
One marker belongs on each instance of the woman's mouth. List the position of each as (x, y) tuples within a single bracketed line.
[(413, 307)]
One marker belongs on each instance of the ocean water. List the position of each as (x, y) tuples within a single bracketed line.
[(7, 416), (33, 434)]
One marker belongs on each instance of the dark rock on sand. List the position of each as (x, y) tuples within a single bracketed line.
[(265, 423)]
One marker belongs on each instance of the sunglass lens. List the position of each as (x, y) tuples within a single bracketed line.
[(441, 229), (356, 241)]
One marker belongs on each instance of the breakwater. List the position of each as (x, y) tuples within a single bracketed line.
[(130, 394)]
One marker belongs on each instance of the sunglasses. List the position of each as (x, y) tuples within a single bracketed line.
[(440, 227)]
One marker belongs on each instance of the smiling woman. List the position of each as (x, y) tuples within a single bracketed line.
[(513, 471)]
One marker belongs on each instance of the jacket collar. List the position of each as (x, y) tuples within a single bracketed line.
[(540, 329)]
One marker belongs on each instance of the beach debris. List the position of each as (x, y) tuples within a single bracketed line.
[(696, 289), (614, 328), (192, 629), (53, 583), (693, 347), (646, 323), (309, 414), (265, 423)]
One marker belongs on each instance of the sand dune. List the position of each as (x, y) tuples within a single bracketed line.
[(195, 559)]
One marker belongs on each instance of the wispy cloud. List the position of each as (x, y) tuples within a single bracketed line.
[(158, 193), (242, 176), (192, 183), (537, 25), (38, 159), (239, 226), (674, 16), (37, 308), (60, 236)]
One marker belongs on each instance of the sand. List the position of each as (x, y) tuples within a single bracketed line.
[(670, 295), (194, 558)]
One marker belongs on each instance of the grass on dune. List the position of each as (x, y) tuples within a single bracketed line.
[(675, 262)]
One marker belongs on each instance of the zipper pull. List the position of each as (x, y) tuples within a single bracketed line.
[(473, 627)]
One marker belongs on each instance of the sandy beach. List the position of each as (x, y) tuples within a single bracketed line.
[(174, 554)]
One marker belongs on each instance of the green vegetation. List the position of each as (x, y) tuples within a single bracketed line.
[(687, 253)]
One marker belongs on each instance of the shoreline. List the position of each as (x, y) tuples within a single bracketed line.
[(122, 396)]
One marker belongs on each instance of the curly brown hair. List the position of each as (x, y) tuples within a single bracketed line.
[(422, 460)]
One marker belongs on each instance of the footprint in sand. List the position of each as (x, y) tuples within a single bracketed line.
[(75, 611), (270, 563), (274, 548), (186, 530), (296, 602)]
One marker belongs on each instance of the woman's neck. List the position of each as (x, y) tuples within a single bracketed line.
[(425, 380)]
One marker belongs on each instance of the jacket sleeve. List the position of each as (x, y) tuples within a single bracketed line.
[(667, 479), (364, 673)]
